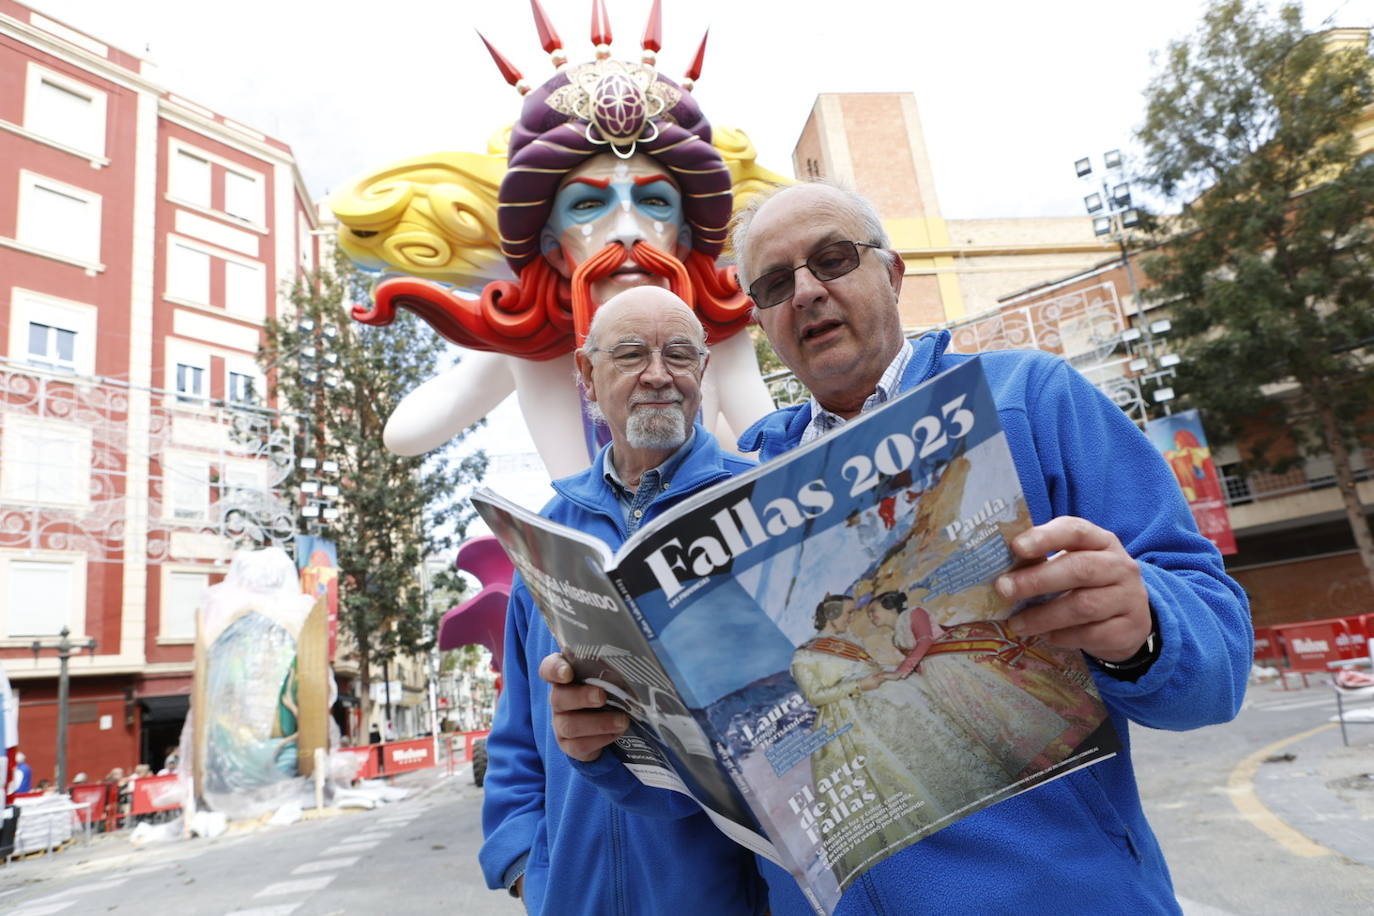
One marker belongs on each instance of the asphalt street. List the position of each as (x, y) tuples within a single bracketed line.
[(1269, 814)]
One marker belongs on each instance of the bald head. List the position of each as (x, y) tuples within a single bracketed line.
[(648, 299)]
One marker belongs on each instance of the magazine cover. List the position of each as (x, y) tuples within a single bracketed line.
[(828, 622)]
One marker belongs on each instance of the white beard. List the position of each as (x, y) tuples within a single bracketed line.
[(656, 427)]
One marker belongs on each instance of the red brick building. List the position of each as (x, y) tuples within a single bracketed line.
[(144, 240)]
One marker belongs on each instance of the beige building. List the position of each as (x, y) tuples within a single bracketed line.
[(874, 143)]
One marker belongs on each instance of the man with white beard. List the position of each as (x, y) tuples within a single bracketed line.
[(551, 837)]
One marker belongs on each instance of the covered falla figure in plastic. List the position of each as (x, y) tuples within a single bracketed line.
[(611, 178), (257, 642)]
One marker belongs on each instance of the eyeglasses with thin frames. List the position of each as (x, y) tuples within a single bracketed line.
[(829, 262), (633, 358)]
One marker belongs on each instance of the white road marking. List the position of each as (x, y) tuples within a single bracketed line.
[(324, 865), (344, 849), (43, 910), (281, 909), (81, 889), (299, 886)]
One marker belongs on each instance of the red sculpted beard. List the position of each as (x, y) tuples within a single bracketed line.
[(651, 260)]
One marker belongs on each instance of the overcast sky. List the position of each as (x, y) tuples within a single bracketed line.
[(1010, 93)]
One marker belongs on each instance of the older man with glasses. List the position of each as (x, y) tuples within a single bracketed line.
[(551, 837), (1129, 580)]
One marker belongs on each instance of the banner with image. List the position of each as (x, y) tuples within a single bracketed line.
[(318, 562), (1183, 443)]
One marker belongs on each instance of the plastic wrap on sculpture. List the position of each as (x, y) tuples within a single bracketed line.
[(245, 718)]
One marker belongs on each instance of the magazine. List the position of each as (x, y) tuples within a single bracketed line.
[(814, 650)]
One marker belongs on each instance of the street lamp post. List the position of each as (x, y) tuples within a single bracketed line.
[(64, 646), (1113, 215)]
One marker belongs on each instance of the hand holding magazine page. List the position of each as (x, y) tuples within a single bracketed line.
[(814, 650)]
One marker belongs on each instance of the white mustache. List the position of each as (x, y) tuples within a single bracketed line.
[(671, 395)]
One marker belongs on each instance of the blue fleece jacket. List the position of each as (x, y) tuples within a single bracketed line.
[(1079, 844), (579, 851)]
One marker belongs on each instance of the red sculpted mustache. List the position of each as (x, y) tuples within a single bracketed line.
[(607, 261)]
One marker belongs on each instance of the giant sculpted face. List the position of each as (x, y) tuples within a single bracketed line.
[(611, 177), (608, 201)]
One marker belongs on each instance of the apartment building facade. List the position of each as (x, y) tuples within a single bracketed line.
[(144, 241)]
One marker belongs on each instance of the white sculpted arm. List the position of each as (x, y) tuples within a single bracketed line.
[(734, 370), (449, 403)]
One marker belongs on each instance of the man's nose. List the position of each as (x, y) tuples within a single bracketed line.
[(655, 374), (806, 289)]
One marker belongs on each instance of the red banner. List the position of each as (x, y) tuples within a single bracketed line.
[(1181, 440), (404, 756)]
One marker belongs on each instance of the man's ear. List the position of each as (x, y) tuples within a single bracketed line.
[(895, 271), (552, 251), (584, 373)]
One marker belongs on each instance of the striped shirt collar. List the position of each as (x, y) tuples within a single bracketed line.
[(823, 421)]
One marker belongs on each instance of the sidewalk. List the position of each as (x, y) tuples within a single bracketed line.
[(1324, 790)]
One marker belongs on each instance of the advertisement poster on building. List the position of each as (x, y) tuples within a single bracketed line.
[(318, 562), (1183, 443)]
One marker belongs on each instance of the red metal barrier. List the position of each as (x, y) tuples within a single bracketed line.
[(1312, 644), (367, 767), (1267, 648), (97, 796), (154, 793), (405, 756)]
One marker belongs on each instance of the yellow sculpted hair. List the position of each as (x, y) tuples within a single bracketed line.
[(435, 216)]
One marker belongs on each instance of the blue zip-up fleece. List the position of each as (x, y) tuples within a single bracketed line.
[(580, 852), (1079, 844)]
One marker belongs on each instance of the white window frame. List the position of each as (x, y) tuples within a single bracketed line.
[(83, 235), (26, 476), (192, 383), (188, 182), (245, 297), (171, 573), (182, 474), (73, 616), (249, 201), (89, 141), (28, 306), (183, 271)]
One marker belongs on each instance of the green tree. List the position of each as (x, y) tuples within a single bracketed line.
[(343, 379), (1269, 268)]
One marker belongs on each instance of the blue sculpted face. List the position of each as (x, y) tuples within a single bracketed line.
[(607, 200)]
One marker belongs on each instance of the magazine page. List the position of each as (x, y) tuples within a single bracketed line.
[(831, 616), (665, 746)]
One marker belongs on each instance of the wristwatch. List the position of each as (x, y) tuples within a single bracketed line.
[(1130, 669)]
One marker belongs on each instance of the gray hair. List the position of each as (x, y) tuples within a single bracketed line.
[(870, 224)]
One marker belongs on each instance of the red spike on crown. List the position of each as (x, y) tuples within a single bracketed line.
[(548, 36), (653, 33), (508, 71), (694, 71), (601, 30)]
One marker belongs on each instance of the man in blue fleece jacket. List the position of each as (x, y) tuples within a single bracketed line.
[(551, 837), (1144, 596)]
